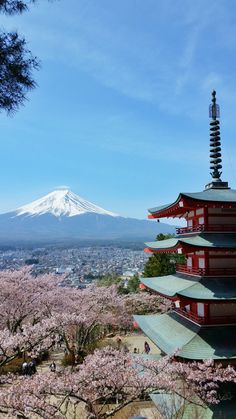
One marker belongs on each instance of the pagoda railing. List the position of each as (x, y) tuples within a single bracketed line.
[(189, 270), (202, 227), (201, 272), (190, 315), (183, 230), (203, 320)]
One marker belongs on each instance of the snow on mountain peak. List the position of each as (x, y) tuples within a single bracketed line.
[(62, 202)]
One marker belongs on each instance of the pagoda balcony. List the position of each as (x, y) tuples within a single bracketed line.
[(208, 272), (190, 270), (203, 320), (201, 227), (190, 315), (192, 229)]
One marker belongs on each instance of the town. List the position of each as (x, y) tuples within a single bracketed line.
[(80, 265)]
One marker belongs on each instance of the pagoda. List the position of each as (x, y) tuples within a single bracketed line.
[(202, 322)]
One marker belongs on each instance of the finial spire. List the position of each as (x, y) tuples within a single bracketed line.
[(215, 144), (215, 147)]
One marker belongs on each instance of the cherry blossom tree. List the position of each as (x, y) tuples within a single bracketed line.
[(143, 303), (107, 381), (34, 312)]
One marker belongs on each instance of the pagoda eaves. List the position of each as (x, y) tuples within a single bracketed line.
[(201, 241), (189, 340), (200, 288), (218, 198)]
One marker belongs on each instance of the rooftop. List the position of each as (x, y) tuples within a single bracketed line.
[(173, 333), (202, 240), (199, 289), (213, 195)]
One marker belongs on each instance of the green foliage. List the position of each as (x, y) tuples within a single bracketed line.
[(108, 280), (13, 367), (133, 284), (161, 264), (17, 61), (162, 236), (158, 265), (11, 7), (68, 359)]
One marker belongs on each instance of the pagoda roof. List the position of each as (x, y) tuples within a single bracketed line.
[(201, 240), (169, 285), (173, 333), (216, 195), (172, 405), (200, 289), (169, 405)]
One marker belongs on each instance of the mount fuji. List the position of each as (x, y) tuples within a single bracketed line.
[(62, 216), (60, 203)]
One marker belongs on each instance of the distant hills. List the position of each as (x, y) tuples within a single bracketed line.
[(64, 216)]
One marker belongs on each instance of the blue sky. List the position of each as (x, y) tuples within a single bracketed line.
[(121, 110)]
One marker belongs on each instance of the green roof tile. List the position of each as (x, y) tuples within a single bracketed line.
[(200, 289), (214, 195), (174, 406), (167, 333), (172, 332), (209, 240), (168, 285)]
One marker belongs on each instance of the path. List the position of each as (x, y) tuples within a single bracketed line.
[(55, 356), (135, 341)]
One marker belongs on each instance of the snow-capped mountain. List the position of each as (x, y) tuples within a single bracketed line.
[(62, 202), (62, 216)]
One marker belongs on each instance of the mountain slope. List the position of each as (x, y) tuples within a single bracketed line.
[(61, 202), (62, 215)]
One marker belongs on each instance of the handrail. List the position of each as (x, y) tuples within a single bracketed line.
[(190, 315), (210, 227), (190, 270), (203, 320), (182, 230), (201, 272)]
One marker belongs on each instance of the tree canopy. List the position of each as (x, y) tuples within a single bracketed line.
[(17, 63), (161, 264), (11, 7)]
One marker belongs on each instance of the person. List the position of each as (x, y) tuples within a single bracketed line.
[(24, 368), (52, 367), (126, 349), (60, 341), (119, 342), (135, 351), (146, 347), (32, 367)]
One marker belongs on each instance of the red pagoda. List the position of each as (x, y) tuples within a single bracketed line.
[(202, 323)]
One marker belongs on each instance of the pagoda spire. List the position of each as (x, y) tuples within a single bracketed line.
[(215, 146)]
